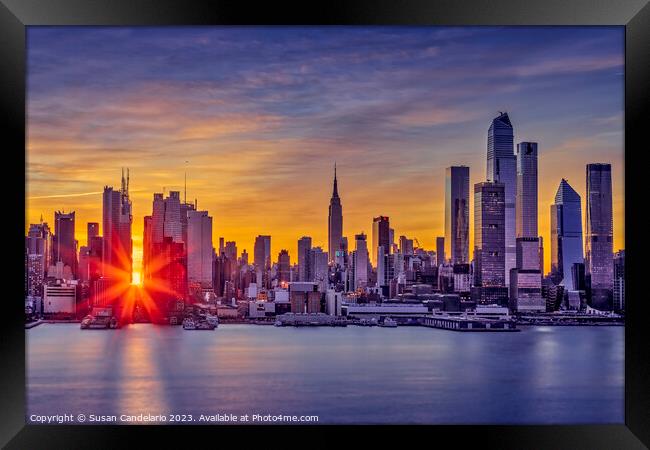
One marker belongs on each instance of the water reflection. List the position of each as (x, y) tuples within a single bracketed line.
[(349, 375)]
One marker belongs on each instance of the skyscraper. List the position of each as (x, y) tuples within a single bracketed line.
[(147, 239), (405, 245), (284, 266), (65, 245), (489, 234), (619, 280), (380, 236), (566, 235), (262, 260), (526, 193), (116, 224), (173, 226), (319, 270), (262, 252), (92, 231), (38, 244), (457, 214), (199, 248), (304, 248), (599, 235), (334, 222), (440, 251), (501, 167), (360, 261)]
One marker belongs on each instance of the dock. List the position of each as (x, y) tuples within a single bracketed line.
[(476, 324)]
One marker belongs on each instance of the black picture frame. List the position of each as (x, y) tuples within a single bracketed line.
[(15, 15)]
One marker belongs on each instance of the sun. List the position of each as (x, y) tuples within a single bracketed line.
[(136, 278)]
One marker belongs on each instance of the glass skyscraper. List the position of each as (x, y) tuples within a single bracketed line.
[(566, 235), (489, 234), (599, 235), (526, 194), (457, 214), (502, 168)]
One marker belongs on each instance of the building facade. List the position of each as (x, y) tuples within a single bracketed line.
[(457, 214), (489, 234), (199, 248), (334, 222), (599, 236), (501, 167), (566, 235)]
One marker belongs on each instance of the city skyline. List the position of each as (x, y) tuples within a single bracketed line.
[(284, 175)]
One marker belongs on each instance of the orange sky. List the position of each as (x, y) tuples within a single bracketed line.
[(261, 115)]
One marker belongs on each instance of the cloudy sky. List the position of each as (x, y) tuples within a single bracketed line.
[(257, 116)]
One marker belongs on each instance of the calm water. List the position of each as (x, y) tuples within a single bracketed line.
[(343, 375)]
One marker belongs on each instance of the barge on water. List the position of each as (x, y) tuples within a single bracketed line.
[(462, 323)]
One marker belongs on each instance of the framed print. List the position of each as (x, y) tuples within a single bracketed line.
[(263, 221)]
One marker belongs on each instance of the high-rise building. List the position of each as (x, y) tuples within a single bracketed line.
[(146, 247), (304, 248), (199, 248), (502, 168), (360, 261), (526, 278), (526, 192), (380, 236), (599, 236), (262, 260), (566, 235), (185, 209), (169, 274), (38, 244), (284, 266), (334, 222), (65, 245), (157, 218), (230, 250), (440, 251), (92, 231), (489, 234), (173, 226), (405, 245), (319, 268), (457, 214), (262, 252), (619, 280), (116, 224)]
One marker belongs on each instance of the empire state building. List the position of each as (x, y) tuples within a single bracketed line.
[(334, 222)]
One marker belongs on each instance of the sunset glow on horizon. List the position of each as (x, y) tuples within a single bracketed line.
[(257, 116)]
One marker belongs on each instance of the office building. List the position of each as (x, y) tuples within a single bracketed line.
[(457, 214), (566, 235), (116, 225), (92, 231), (489, 238), (619, 280), (284, 267), (334, 222), (360, 262), (526, 192), (304, 249), (440, 251), (199, 248), (65, 245), (501, 167), (380, 236), (599, 236)]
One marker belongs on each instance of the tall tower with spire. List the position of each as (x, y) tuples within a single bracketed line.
[(334, 222)]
